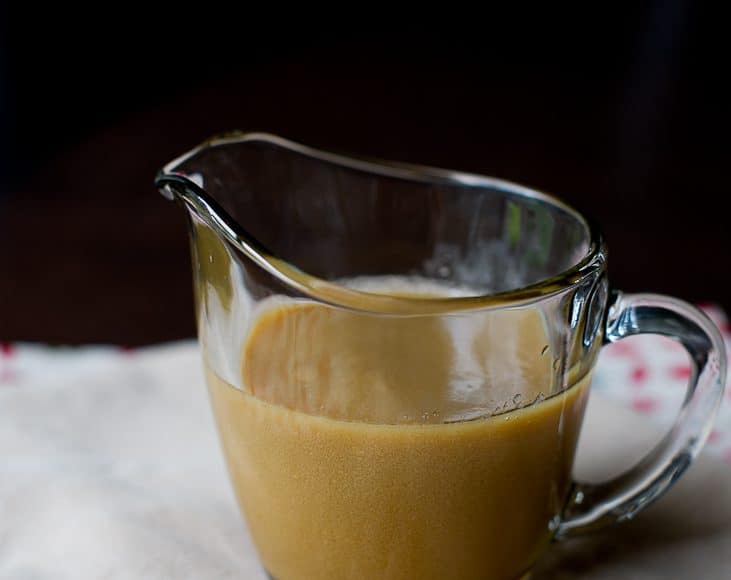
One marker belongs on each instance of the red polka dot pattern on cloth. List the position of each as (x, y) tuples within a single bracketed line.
[(649, 375)]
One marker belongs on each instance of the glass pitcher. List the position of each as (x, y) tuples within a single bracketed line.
[(399, 357)]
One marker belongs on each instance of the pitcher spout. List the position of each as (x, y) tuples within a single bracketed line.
[(313, 221)]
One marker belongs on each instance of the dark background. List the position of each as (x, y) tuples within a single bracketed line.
[(623, 113)]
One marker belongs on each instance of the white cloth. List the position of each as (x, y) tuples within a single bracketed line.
[(110, 468)]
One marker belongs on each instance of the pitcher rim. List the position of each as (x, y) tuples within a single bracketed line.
[(175, 184)]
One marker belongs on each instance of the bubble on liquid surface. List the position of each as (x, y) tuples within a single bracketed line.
[(544, 350), (517, 399)]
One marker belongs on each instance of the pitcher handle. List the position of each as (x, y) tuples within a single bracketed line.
[(590, 506)]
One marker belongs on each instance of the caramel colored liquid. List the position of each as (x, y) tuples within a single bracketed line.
[(341, 476)]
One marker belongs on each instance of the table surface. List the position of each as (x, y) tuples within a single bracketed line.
[(83, 431), (93, 254)]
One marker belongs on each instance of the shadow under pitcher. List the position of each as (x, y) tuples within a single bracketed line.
[(399, 357)]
